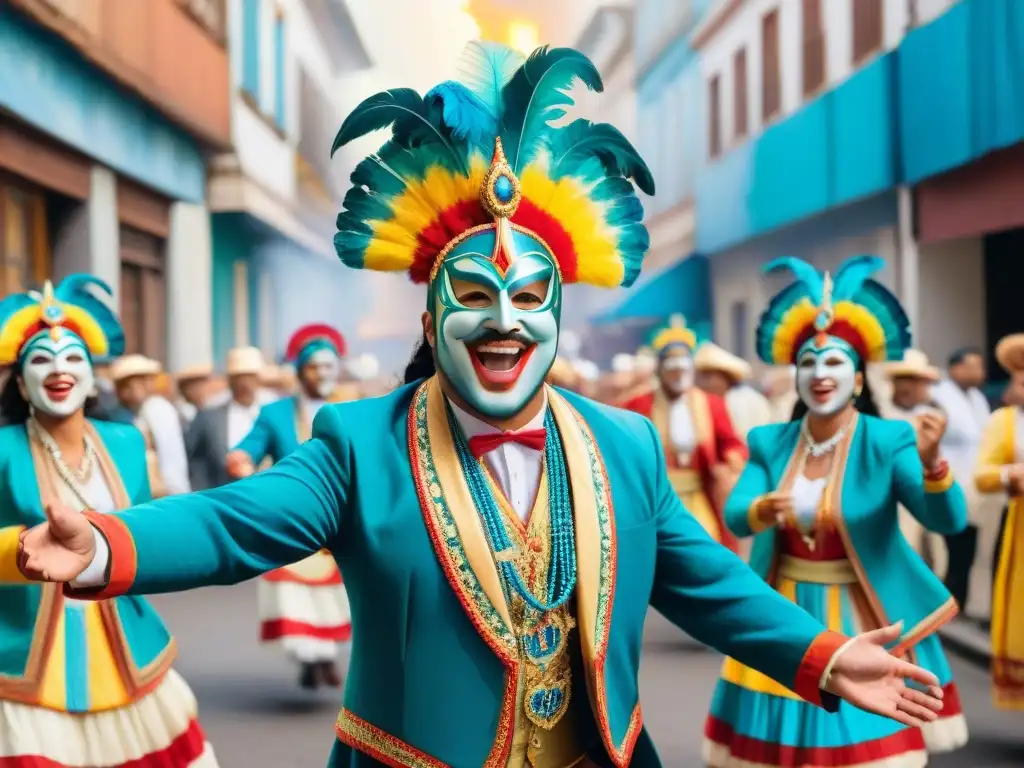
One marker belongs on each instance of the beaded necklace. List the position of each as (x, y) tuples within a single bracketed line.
[(562, 571), (66, 473)]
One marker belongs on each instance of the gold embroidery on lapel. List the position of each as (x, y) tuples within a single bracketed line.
[(593, 517)]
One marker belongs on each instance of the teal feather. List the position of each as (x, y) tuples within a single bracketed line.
[(80, 290), (537, 95), (411, 120), (583, 140), (464, 114), (485, 69), (852, 274), (814, 283)]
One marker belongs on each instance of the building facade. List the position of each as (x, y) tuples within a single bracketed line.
[(107, 116), (274, 196), (825, 123)]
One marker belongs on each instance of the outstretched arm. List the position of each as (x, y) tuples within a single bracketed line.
[(937, 502), (742, 506), (713, 595), (233, 533)]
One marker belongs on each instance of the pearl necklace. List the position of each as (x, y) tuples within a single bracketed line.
[(816, 449), (71, 478)]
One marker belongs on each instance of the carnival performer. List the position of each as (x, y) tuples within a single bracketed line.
[(303, 607), (500, 540), (820, 494), (1001, 470), (81, 683), (703, 452)]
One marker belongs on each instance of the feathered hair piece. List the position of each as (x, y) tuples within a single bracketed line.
[(317, 335), (480, 151), (853, 307), (72, 306), (674, 334)]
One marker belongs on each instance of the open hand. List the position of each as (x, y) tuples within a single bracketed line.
[(931, 426), (869, 677), (59, 549), (239, 465)]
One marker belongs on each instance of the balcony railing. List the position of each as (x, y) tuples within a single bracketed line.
[(156, 48)]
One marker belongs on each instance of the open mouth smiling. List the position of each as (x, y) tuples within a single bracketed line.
[(498, 362), (822, 390), (58, 388)]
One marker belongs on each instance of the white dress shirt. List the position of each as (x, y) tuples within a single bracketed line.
[(240, 421), (164, 422), (102, 501), (310, 408), (967, 413), (515, 467), (681, 430)]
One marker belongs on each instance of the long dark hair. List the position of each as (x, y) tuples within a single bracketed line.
[(14, 409), (865, 402), (421, 365)]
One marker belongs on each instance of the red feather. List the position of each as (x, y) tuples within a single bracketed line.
[(841, 330), (308, 333)]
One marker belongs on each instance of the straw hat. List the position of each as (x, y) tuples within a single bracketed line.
[(270, 375), (646, 360), (133, 365), (1010, 352), (623, 363), (914, 365), (711, 357), (193, 372), (245, 360)]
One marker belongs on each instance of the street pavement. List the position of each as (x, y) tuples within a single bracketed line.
[(256, 716)]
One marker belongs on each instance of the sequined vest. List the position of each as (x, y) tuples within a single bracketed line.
[(554, 741)]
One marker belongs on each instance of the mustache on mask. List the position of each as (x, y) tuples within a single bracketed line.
[(485, 335)]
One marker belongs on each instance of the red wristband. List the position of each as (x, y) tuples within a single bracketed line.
[(938, 472)]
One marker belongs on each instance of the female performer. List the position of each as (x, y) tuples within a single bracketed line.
[(820, 494), (1001, 469), (81, 683)]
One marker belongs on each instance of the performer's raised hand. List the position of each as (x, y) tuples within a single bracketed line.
[(239, 465), (59, 549), (931, 426), (868, 676)]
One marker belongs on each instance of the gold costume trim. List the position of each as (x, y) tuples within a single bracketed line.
[(816, 571)]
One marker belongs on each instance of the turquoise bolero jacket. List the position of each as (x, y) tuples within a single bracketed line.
[(273, 434), (882, 470), (433, 675), (29, 611)]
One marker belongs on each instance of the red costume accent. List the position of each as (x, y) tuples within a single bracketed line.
[(531, 438)]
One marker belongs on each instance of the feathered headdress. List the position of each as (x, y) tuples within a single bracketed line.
[(676, 333), (482, 154), (309, 338), (72, 307), (853, 307)]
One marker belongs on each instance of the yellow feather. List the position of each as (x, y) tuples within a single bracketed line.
[(867, 326), (792, 324)]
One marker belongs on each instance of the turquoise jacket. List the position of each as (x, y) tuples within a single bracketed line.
[(434, 667), (29, 612), (274, 432), (882, 469)]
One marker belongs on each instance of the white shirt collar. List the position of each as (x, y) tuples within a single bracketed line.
[(472, 426)]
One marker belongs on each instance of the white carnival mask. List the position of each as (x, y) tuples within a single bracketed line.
[(57, 374), (326, 369), (826, 377)]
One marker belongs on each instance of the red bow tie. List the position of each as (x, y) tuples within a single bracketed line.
[(531, 438)]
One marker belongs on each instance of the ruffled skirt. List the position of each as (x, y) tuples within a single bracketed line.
[(757, 723), (305, 608), (160, 730)]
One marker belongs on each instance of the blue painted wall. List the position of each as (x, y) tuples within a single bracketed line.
[(49, 85), (968, 100), (834, 150)]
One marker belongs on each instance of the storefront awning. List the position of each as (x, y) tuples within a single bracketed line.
[(683, 288)]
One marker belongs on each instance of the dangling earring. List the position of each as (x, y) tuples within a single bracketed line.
[(857, 392)]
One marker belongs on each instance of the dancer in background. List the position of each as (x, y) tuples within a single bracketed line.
[(81, 683), (1001, 470), (728, 376), (704, 454), (820, 493), (302, 606)]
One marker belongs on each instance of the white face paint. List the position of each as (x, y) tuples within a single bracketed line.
[(57, 376), (324, 368), (826, 379), (677, 373)]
